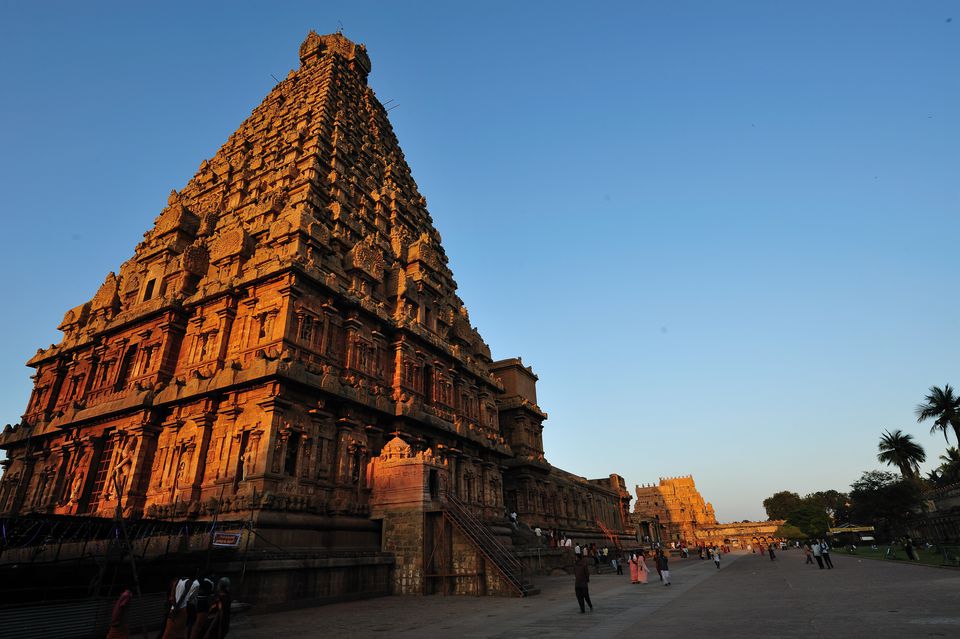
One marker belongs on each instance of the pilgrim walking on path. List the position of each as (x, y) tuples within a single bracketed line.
[(664, 568), (581, 573), (643, 573)]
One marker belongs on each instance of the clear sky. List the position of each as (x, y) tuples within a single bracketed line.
[(723, 234)]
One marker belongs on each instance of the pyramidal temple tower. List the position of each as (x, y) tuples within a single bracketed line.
[(290, 313)]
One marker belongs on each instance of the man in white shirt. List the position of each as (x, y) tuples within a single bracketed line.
[(817, 553)]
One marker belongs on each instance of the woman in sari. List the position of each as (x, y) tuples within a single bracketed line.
[(643, 573), (634, 569)]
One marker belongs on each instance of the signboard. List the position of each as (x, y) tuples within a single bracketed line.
[(226, 540), (850, 529)]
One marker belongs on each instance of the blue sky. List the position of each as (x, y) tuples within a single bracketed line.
[(723, 234)]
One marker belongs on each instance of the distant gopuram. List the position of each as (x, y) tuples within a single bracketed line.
[(674, 512), (677, 505), (290, 313)]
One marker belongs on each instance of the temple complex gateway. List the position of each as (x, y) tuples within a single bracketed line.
[(284, 345), (674, 512)]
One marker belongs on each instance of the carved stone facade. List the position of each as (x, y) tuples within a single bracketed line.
[(289, 313)]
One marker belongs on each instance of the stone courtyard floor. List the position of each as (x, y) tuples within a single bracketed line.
[(749, 596)]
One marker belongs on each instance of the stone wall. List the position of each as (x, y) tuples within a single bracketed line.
[(403, 538)]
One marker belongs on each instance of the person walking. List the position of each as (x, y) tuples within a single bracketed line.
[(808, 552), (817, 553), (825, 553), (716, 557), (773, 555), (633, 568), (643, 573), (218, 621), (581, 573), (664, 568), (182, 603), (118, 619)]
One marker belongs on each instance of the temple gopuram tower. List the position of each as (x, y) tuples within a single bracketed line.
[(290, 307), (290, 312), (676, 506)]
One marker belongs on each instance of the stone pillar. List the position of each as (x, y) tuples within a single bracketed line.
[(138, 474)]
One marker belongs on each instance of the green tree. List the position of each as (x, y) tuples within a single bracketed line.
[(835, 504), (943, 407), (789, 531), (898, 449), (810, 519), (885, 500), (779, 505)]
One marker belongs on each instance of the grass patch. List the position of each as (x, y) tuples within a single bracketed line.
[(932, 557)]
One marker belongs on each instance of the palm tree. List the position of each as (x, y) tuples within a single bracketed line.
[(952, 456), (943, 407), (899, 449), (949, 470)]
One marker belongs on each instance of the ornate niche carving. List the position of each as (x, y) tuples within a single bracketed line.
[(176, 217), (366, 257), (228, 244), (195, 260), (107, 299), (424, 251)]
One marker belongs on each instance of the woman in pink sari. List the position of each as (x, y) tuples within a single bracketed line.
[(642, 572), (634, 569)]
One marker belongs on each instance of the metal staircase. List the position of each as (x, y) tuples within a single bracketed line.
[(610, 535), (493, 551)]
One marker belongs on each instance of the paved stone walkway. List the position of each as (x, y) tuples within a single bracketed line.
[(749, 596)]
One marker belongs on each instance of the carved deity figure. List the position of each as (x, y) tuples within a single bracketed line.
[(79, 475), (183, 468), (181, 474), (124, 467)]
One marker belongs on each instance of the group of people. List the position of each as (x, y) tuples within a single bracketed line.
[(819, 550), (640, 573), (637, 562), (196, 609), (713, 553)]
